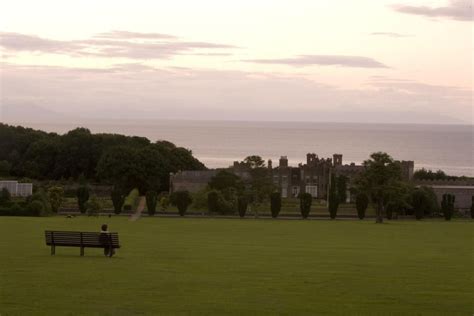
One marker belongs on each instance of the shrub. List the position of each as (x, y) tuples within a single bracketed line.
[(447, 206), (242, 204), (362, 202), (55, 196), (164, 203), (342, 189), (305, 204), (5, 196), (472, 207), (93, 206), (131, 200), (35, 208), (333, 198), (420, 203), (181, 199), (275, 204), (82, 198), (42, 198), (151, 201), (118, 199), (213, 201)]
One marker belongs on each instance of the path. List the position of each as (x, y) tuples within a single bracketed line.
[(139, 210)]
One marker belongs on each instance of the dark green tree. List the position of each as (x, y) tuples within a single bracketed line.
[(182, 200), (213, 201), (93, 206), (305, 204), (242, 204), (362, 202), (151, 202), (380, 179), (472, 207), (55, 196), (342, 188), (447, 206), (5, 196), (118, 199), (224, 180), (420, 203), (254, 162), (333, 198), (275, 204), (5, 168), (82, 198)]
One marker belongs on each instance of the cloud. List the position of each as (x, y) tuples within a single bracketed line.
[(389, 34), (460, 10), (323, 60), (112, 45), (136, 91)]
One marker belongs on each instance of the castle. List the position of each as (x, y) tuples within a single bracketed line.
[(312, 177)]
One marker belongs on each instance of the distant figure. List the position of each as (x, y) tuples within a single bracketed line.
[(105, 240)]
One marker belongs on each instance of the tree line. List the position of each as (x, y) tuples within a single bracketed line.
[(126, 162)]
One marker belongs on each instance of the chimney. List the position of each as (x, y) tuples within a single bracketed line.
[(337, 160)]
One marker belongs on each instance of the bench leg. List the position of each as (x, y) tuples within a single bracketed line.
[(53, 250), (82, 251)]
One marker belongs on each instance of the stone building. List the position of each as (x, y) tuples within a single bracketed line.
[(462, 189)]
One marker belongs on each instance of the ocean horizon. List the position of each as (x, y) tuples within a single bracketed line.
[(218, 143)]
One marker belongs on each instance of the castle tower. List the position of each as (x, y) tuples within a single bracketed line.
[(283, 161), (337, 160)]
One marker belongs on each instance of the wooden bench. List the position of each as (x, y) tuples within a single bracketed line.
[(81, 240)]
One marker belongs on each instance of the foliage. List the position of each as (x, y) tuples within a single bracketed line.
[(333, 198), (472, 207), (380, 180), (305, 204), (118, 199), (41, 155), (93, 206), (5, 196), (164, 203), (41, 197), (55, 195), (222, 202), (424, 174), (420, 202), (151, 201), (36, 208), (275, 204), (5, 168), (254, 162), (362, 202), (82, 197), (213, 201), (342, 188), (224, 180), (200, 199), (181, 199), (261, 185), (242, 205), (131, 200), (447, 206)]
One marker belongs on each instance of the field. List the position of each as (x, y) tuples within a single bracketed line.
[(224, 266)]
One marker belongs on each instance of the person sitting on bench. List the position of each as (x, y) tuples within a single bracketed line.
[(105, 240)]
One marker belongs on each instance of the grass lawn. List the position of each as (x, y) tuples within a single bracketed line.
[(222, 266)]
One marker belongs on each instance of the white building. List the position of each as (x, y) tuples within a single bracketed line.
[(17, 189)]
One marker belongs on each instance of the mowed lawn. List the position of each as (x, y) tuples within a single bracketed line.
[(231, 266)]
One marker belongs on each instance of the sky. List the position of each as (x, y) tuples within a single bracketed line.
[(374, 61)]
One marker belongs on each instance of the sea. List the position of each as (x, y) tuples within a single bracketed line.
[(219, 143)]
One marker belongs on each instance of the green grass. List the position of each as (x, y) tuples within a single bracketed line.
[(219, 266)]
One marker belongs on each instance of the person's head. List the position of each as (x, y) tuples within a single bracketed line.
[(104, 227)]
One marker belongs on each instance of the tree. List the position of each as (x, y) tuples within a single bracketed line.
[(254, 162), (55, 196), (224, 180), (41, 196), (35, 208), (213, 201), (5, 167), (305, 204), (82, 198), (181, 199), (342, 188), (242, 205), (275, 204), (118, 199), (362, 202), (5, 196), (447, 206), (93, 206), (472, 207), (333, 198), (164, 203), (420, 203), (379, 180), (151, 201)]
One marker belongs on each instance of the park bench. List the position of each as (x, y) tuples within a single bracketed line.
[(81, 240)]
